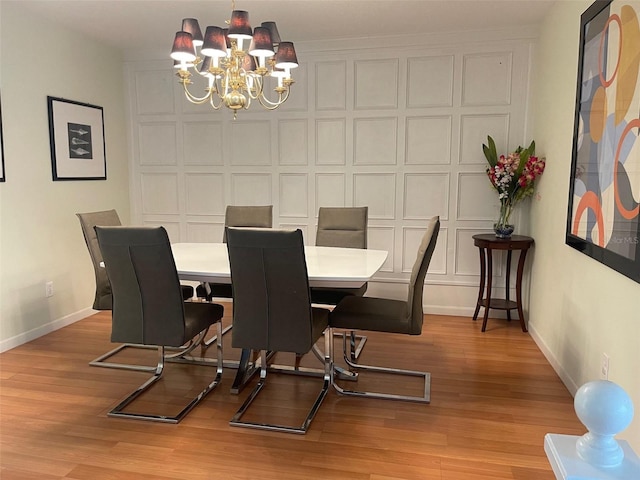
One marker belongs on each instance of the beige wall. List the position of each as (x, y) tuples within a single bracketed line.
[(40, 237), (579, 307)]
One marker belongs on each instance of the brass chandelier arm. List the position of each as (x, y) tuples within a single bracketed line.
[(269, 105)]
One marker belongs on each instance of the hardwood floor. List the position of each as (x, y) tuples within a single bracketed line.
[(493, 397)]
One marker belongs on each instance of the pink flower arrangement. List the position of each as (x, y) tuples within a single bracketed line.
[(513, 176)]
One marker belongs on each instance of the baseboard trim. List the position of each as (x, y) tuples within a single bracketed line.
[(553, 361), (26, 337)]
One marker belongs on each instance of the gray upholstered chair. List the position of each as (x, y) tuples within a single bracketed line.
[(390, 316), (258, 216), (271, 306), (108, 218), (342, 227), (148, 308), (103, 299)]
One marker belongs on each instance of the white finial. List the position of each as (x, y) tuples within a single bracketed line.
[(606, 410)]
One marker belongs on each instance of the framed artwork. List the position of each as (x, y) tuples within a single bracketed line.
[(603, 219), (2, 177), (76, 135)]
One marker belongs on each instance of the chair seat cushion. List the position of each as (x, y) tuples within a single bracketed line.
[(368, 313), (187, 291), (217, 290), (333, 296), (200, 315)]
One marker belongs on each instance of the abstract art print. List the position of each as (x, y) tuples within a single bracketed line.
[(76, 133), (603, 219)]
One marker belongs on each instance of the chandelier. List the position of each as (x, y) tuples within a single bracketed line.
[(235, 62)]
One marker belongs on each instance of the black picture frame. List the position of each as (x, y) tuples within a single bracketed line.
[(603, 218), (76, 136), (2, 174)]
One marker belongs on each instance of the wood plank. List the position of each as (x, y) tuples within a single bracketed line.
[(494, 397)]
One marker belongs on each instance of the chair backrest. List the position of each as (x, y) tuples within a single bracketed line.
[(147, 299), (271, 303), (259, 216), (418, 273), (342, 227), (102, 300)]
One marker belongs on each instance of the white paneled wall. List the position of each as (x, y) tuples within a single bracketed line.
[(399, 131)]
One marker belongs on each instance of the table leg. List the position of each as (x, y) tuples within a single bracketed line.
[(507, 279), (523, 255), (488, 297), (482, 277)]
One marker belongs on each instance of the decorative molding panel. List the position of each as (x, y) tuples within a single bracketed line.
[(486, 79), (375, 141), (331, 85), (159, 193), (251, 189), (378, 192), (430, 81), (477, 200), (205, 194), (376, 84), (428, 140), (331, 141), (250, 142), (330, 191), (203, 143), (157, 143), (293, 195), (426, 195), (293, 142)]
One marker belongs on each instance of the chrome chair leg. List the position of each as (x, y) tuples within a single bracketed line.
[(237, 422), (356, 351), (425, 398), (119, 412), (100, 361)]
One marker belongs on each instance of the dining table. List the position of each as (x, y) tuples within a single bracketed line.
[(326, 267)]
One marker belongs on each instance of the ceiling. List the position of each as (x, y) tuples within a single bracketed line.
[(143, 24)]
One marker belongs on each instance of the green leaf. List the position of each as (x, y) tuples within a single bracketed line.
[(490, 152)]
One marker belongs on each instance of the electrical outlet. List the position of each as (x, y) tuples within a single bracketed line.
[(604, 367), (48, 289)]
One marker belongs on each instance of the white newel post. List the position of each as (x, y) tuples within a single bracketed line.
[(606, 410)]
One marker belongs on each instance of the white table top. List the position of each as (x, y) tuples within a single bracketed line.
[(326, 266)]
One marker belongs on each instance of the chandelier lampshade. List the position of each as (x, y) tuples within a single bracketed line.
[(235, 62), (183, 49), (191, 25)]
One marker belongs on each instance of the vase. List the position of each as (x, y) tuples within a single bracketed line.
[(502, 227), (503, 230)]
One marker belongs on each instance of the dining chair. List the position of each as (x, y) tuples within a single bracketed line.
[(109, 218), (258, 216), (342, 227), (389, 316), (272, 308), (148, 308), (103, 298)]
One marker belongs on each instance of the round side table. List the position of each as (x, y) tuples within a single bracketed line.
[(486, 243)]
